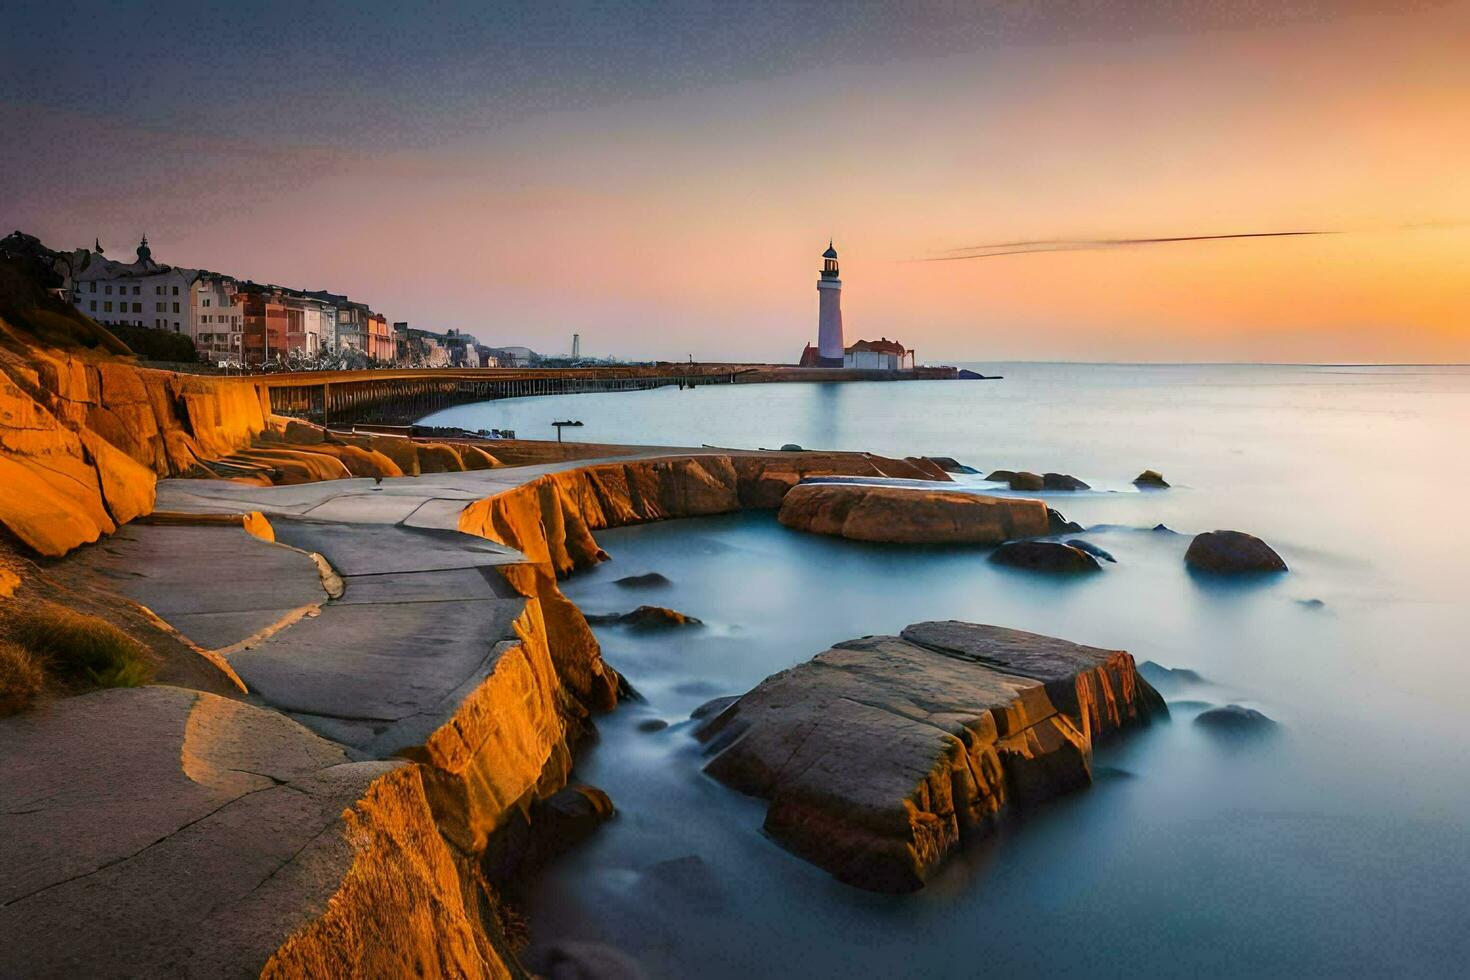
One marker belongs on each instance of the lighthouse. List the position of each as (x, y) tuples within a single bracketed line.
[(829, 313)]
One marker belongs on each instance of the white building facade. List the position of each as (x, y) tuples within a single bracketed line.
[(216, 320), (142, 293)]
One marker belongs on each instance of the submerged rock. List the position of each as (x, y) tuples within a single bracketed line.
[(1169, 678), (686, 882), (1232, 552), (792, 447), (1311, 603), (648, 580), (905, 515), (882, 754), (1092, 549), (644, 617), (1062, 481), (568, 960), (1045, 556), (713, 707), (1001, 476), (1234, 719), (1150, 478), (652, 725)]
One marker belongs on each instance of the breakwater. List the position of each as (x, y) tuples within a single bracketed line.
[(402, 397)]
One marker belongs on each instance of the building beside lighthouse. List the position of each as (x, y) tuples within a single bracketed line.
[(831, 350)]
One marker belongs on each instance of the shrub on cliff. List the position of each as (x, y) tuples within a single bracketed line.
[(158, 345), (79, 648), (21, 678)]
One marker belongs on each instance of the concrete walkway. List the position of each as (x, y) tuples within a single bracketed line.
[(430, 501)]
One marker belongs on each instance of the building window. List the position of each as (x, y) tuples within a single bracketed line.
[(107, 306), (94, 305), (108, 289), (138, 291), (93, 285), (176, 290), (138, 308), (206, 301), (157, 290)]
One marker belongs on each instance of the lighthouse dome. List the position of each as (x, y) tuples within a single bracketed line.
[(831, 252)]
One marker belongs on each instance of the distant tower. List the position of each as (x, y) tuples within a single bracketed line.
[(829, 317), (576, 346), (145, 254)]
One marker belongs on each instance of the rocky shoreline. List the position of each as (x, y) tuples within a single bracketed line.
[(360, 686)]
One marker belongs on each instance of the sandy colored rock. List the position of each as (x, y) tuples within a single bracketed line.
[(1231, 553), (880, 755), (476, 458), (238, 843), (903, 515), (439, 457)]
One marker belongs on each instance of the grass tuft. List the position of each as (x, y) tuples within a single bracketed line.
[(77, 647), (21, 678)]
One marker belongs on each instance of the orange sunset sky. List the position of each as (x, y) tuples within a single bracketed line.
[(663, 179)]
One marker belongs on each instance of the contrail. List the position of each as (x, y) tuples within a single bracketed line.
[(997, 249)]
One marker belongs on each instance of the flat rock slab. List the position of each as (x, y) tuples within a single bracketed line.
[(880, 755), (363, 549), (904, 515), (217, 585), (377, 664), (159, 831)]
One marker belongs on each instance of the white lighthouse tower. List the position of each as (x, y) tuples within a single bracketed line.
[(830, 348)]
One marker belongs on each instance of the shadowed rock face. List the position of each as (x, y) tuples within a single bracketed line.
[(903, 515), (1232, 552), (646, 618), (1046, 556), (1235, 719), (1063, 481), (880, 755)]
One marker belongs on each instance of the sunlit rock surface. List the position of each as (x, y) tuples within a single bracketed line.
[(904, 515), (161, 831), (880, 755)]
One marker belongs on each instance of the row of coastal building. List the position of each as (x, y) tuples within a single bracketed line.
[(239, 322)]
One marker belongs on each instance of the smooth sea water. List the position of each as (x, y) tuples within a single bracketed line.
[(1337, 847)]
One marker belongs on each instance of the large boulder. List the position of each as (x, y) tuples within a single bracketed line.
[(904, 515), (1028, 482), (1045, 556), (1232, 552), (883, 754)]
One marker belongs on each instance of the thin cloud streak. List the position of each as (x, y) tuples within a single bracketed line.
[(1079, 245)]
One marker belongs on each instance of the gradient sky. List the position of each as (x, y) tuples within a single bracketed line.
[(662, 177)]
